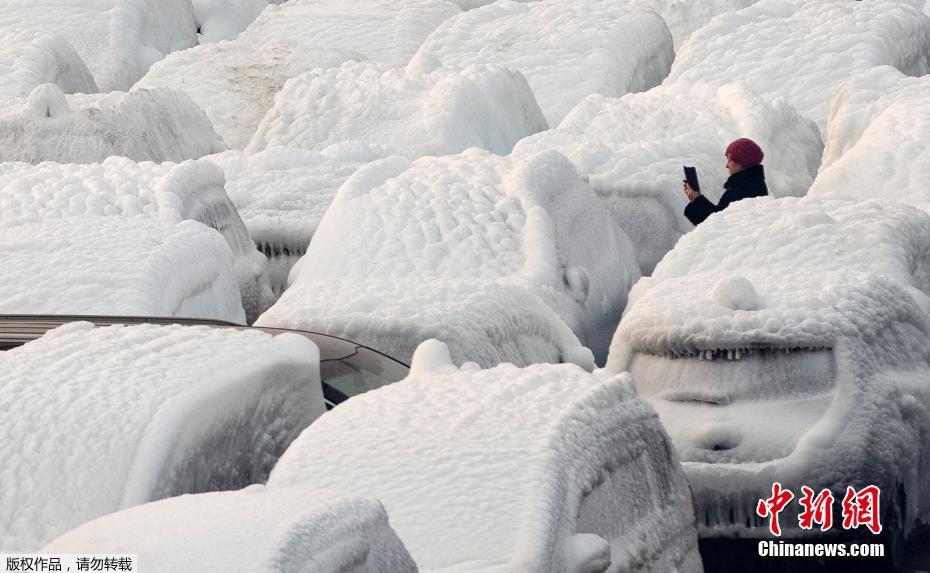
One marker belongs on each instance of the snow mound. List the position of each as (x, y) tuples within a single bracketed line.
[(817, 271), (100, 419), (146, 125), (439, 113), (567, 49), (282, 193), (225, 19), (249, 530), (505, 467), (633, 148), (684, 17), (878, 140), (29, 59), (117, 39), (464, 223), (791, 48), (235, 82), (114, 266), (118, 186)]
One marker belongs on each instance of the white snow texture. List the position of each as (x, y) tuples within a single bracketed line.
[(546, 468), (142, 412), (469, 249), (117, 266), (252, 530), (29, 59)]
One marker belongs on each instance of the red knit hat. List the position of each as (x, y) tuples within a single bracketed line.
[(745, 152)]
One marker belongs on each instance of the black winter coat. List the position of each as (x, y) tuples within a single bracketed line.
[(747, 183)]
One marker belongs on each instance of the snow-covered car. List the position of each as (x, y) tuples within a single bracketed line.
[(787, 341), (346, 368), (541, 469)]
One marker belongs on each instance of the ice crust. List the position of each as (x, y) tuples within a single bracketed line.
[(439, 113), (145, 125), (468, 248), (504, 467), (878, 140), (282, 194), (117, 39), (786, 340), (121, 187), (115, 266), (29, 59), (567, 49), (772, 32), (143, 412), (821, 270), (632, 150), (251, 530)]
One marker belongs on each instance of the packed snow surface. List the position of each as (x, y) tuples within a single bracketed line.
[(116, 266), (224, 19), (633, 148), (878, 140), (282, 193), (407, 247), (121, 187), (117, 39), (438, 113), (547, 468), (786, 340), (235, 82), (253, 530), (826, 42), (100, 419), (29, 59), (145, 125), (567, 49), (684, 17)]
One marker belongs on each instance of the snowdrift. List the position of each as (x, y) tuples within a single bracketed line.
[(772, 32), (116, 266), (419, 236), (100, 419), (235, 82), (633, 148), (29, 59), (283, 193), (117, 39), (224, 19), (146, 125), (583, 476), (878, 140), (567, 49), (118, 186), (251, 530), (684, 17), (439, 113), (785, 340)]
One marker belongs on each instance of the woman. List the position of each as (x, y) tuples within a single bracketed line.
[(747, 179)]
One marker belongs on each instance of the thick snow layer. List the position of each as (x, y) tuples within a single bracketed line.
[(100, 419), (439, 113), (567, 49), (810, 315), (145, 125), (507, 469), (685, 16), (633, 148), (878, 140), (794, 49), (118, 186), (117, 266), (253, 530), (225, 19), (283, 193), (436, 233), (117, 39), (235, 82), (29, 59)]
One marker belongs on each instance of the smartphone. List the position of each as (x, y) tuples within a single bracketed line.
[(691, 178)]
